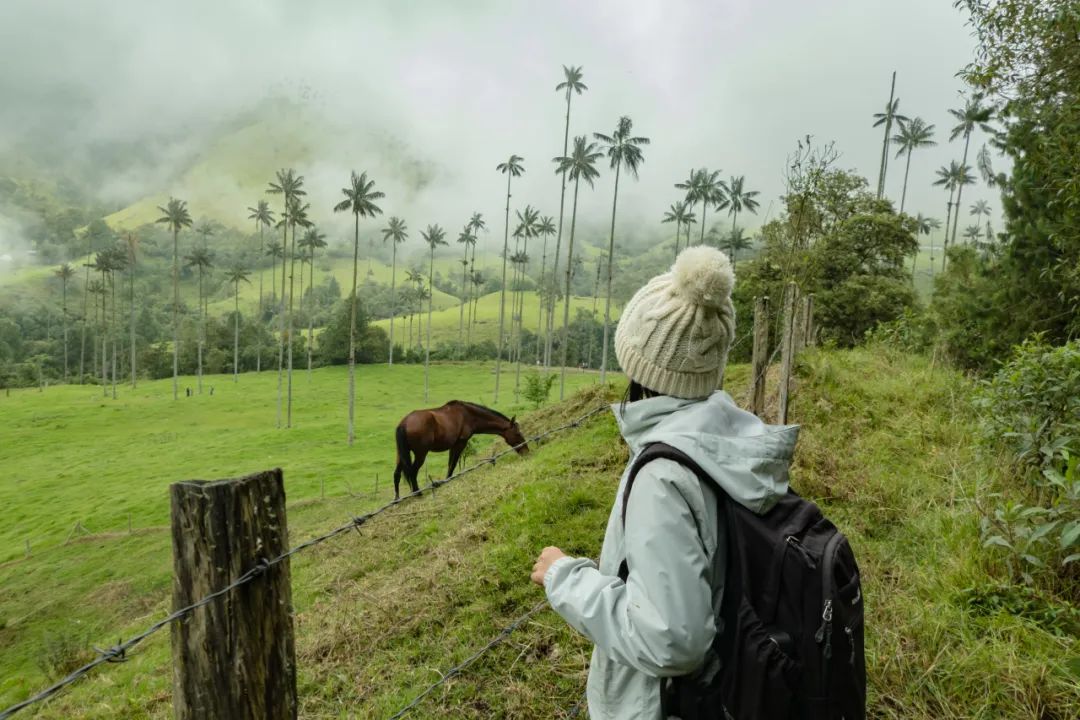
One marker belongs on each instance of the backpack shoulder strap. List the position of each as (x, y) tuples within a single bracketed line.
[(663, 451)]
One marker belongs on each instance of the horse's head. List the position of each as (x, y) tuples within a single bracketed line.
[(513, 437)]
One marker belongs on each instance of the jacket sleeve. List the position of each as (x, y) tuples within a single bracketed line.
[(660, 622)]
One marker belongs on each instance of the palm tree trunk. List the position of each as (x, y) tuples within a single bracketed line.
[(393, 296), (281, 321), (566, 305), (541, 296), (907, 169), (202, 326), (558, 238), (431, 299), (64, 283), (464, 300), (610, 266), (520, 318), (292, 272), (175, 317), (734, 218), (236, 335), (960, 187), (311, 315), (352, 327), (104, 336), (258, 345), (131, 319), (945, 243), (704, 211), (592, 315), (502, 300), (112, 282), (472, 295), (86, 296), (885, 142), (678, 233)]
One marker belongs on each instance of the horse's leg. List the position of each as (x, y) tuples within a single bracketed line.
[(414, 475), (455, 455), (397, 480)]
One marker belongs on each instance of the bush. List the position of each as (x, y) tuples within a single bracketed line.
[(538, 387), (1031, 409)]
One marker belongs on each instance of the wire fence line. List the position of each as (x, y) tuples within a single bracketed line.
[(118, 652)]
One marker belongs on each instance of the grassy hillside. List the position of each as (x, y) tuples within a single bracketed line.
[(76, 458), (445, 323), (884, 447)]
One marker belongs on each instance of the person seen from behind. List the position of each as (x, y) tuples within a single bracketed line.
[(649, 606)]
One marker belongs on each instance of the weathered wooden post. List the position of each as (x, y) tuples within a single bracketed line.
[(234, 658), (800, 323), (809, 332), (787, 350), (760, 364)]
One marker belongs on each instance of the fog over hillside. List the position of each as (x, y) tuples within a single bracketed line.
[(125, 96)]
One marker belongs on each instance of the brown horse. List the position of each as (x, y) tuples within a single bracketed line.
[(448, 428)]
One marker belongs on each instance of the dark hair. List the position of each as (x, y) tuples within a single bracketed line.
[(636, 391)]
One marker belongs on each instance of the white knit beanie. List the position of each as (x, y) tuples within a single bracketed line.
[(673, 337)]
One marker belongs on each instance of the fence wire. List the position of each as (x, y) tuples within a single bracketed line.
[(118, 652)]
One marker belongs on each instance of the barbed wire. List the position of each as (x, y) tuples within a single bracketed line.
[(118, 652), (757, 378), (456, 670)]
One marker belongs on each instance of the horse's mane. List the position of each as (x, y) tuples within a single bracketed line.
[(481, 408)]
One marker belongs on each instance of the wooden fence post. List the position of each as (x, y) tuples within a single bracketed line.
[(787, 350), (809, 332), (760, 364), (800, 323), (235, 657)]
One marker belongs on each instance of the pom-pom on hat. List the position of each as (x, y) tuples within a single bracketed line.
[(674, 335)]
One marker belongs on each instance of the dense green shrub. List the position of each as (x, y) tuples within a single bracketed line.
[(1031, 410)]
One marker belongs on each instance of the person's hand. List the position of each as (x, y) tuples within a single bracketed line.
[(547, 557)]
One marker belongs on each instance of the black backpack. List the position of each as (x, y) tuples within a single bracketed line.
[(789, 642)]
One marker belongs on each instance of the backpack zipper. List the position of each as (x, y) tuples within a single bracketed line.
[(824, 632), (794, 542)]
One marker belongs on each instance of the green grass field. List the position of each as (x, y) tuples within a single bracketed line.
[(885, 447)]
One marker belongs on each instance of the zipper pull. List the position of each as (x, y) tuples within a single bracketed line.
[(851, 643), (793, 541), (825, 631)]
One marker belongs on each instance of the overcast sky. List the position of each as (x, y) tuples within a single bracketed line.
[(727, 84)]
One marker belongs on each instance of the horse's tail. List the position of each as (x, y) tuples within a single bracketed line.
[(403, 450)]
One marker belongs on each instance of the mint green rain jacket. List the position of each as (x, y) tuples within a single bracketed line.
[(660, 622)]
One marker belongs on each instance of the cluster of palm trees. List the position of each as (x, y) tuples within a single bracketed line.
[(705, 186), (915, 134)]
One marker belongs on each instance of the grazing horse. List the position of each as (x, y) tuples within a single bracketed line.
[(448, 428)]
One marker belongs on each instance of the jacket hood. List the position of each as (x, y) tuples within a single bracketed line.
[(748, 458)]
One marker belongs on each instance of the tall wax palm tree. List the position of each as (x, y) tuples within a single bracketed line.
[(595, 296), (202, 260), (922, 227), (86, 298), (736, 242), (740, 199), (932, 225), (973, 115), (477, 279), (96, 287), (887, 119), (176, 217), (396, 232), (132, 241), (416, 278), (119, 263), (236, 275), (465, 239), (579, 165), (313, 240), (689, 219), (980, 208), (972, 233), (103, 263), (274, 252), (952, 178), (297, 216), (512, 168), (476, 224), (677, 214), (434, 236), (706, 187), (65, 272), (360, 197), (570, 85), (264, 218), (289, 185), (545, 227), (913, 135), (527, 224), (623, 150)]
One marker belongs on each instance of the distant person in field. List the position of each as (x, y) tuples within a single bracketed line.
[(649, 605)]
